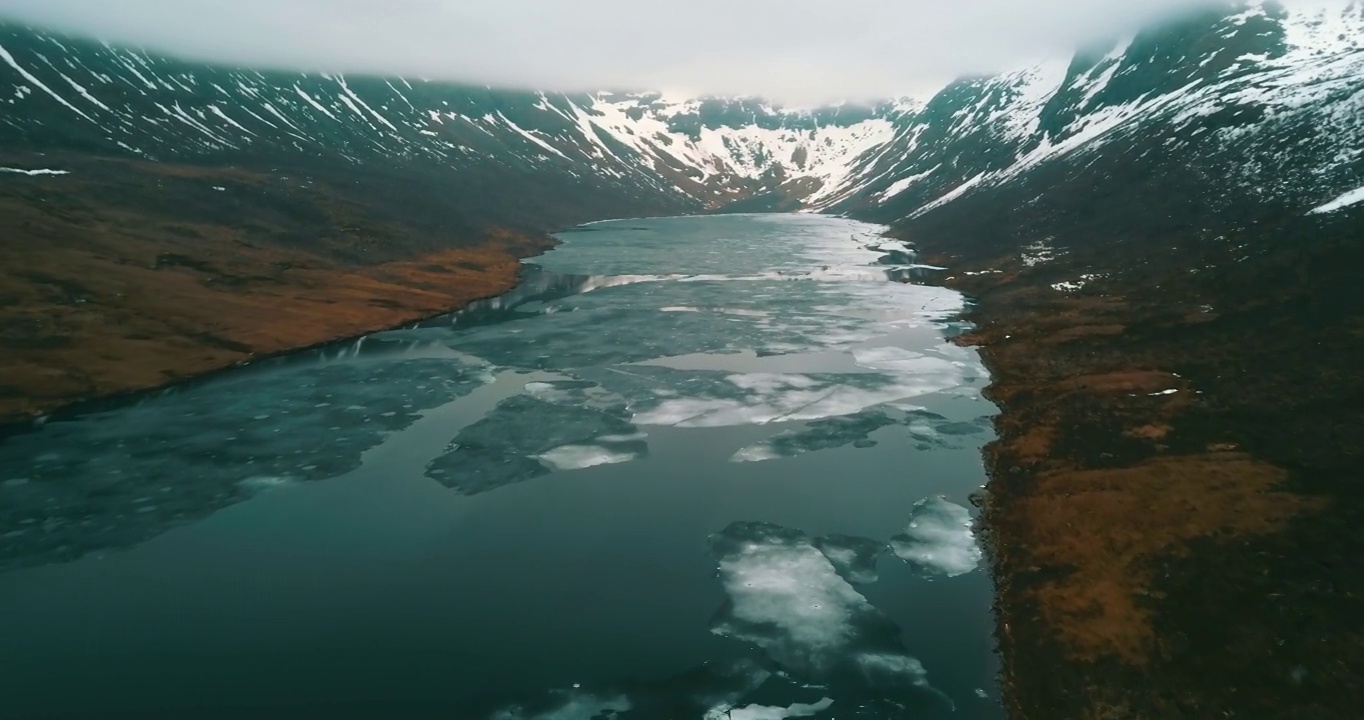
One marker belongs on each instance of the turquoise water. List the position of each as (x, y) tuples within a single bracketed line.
[(692, 468)]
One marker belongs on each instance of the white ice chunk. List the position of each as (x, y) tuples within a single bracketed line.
[(577, 457), (785, 398), (787, 597), (765, 712), (901, 360), (761, 452), (792, 587), (939, 539)]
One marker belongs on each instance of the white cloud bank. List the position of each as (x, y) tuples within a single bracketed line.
[(791, 50)]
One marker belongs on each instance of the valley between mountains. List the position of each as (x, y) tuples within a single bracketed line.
[(1162, 236)]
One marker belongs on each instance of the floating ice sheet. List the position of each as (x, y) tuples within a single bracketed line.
[(116, 478), (853, 557), (526, 437), (825, 434), (787, 598), (761, 398), (638, 322), (767, 712), (938, 540), (790, 597), (929, 429)]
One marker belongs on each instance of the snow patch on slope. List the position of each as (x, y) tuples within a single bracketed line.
[(19, 171), (9, 59), (645, 125), (1314, 87), (1354, 197)]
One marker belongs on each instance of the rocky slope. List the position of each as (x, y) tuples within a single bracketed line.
[(1263, 101)]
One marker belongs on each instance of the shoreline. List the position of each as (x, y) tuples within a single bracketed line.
[(1133, 491), (1142, 535), (516, 251)]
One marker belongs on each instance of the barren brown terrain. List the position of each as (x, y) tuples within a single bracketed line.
[(1174, 501), (129, 275)]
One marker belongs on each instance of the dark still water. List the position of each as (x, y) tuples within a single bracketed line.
[(712, 468)]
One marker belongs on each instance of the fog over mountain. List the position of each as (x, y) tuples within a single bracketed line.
[(795, 51)]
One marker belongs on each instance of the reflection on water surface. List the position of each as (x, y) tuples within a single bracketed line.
[(693, 467)]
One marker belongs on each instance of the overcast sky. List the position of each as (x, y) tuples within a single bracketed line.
[(794, 51)]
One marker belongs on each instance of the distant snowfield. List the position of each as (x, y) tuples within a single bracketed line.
[(1354, 197), (19, 171)]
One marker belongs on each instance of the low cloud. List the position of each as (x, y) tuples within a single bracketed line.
[(796, 51)]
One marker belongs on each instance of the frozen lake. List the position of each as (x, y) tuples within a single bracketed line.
[(706, 467)]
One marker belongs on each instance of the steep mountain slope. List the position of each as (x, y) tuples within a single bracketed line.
[(679, 154), (1270, 95)]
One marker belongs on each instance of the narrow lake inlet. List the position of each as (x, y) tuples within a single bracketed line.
[(711, 467)]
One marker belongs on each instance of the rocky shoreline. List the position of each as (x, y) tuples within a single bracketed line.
[(136, 276), (1174, 498), (319, 309)]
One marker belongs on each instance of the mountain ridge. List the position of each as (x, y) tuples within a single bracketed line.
[(1239, 74)]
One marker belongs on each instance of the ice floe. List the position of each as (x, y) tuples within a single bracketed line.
[(761, 398), (787, 598), (853, 557), (577, 457), (939, 540), (824, 434), (767, 712), (905, 361), (210, 445), (931, 430), (526, 437)]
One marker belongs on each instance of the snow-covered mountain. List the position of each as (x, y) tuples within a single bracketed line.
[(693, 154), (1268, 99), (1271, 101)]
